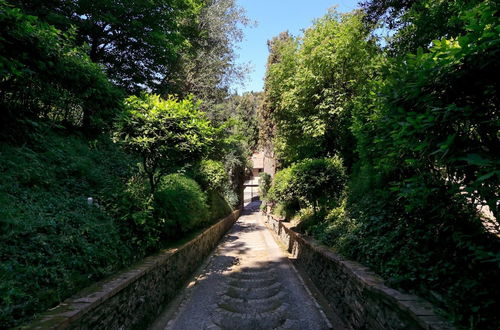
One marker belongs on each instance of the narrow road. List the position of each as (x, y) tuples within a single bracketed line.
[(248, 283)]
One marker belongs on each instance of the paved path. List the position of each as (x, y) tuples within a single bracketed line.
[(248, 283)]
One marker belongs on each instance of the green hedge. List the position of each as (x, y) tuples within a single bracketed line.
[(214, 179), (180, 205), (318, 183)]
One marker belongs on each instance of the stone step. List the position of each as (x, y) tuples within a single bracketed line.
[(255, 270), (278, 296), (250, 276), (212, 326), (252, 283), (252, 293), (252, 306), (292, 325), (257, 321)]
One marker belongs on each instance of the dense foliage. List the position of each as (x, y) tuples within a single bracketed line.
[(310, 89), (239, 112), (45, 76), (416, 124), (212, 175), (265, 181), (181, 205), (209, 72), (138, 42), (417, 23), (52, 241), (315, 183)]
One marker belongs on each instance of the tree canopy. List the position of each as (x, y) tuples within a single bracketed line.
[(44, 75), (165, 133), (138, 42)]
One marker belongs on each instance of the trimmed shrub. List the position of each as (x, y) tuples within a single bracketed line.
[(211, 175), (231, 197), (180, 205), (281, 196), (318, 183), (218, 206)]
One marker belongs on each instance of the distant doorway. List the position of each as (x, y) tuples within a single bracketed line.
[(251, 190)]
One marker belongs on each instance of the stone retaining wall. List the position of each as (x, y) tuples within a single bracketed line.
[(133, 298), (353, 291)]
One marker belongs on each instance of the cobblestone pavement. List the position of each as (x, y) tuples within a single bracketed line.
[(248, 283)]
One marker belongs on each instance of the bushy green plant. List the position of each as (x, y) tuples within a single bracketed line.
[(218, 206), (281, 196), (264, 184), (211, 175), (166, 133), (286, 210), (447, 258), (180, 205), (135, 212), (214, 179), (236, 163), (334, 228), (306, 218), (318, 183), (231, 197), (448, 117)]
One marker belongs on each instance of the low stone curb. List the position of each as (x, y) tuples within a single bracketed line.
[(353, 290), (134, 297)]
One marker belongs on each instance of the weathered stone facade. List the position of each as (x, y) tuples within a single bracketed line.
[(357, 294), (134, 297)]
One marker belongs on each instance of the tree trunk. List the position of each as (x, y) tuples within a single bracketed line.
[(150, 172)]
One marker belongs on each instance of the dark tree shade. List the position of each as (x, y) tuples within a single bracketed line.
[(390, 9), (417, 23), (44, 75), (138, 41)]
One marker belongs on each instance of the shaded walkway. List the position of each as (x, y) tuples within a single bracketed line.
[(247, 284)]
